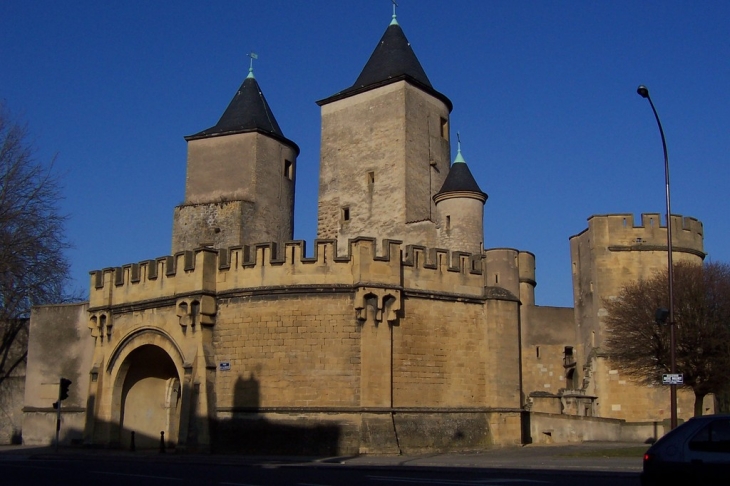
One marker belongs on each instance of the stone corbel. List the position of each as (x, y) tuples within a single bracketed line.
[(387, 306), (194, 310), (100, 323)]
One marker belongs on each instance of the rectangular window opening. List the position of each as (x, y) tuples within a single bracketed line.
[(371, 178), (444, 128), (289, 169), (345, 214)]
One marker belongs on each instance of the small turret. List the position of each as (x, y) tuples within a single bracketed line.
[(460, 205)]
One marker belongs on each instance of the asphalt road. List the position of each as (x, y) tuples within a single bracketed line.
[(594, 464), (65, 471)]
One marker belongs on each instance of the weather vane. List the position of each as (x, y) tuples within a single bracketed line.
[(253, 56), (394, 7), (458, 141)]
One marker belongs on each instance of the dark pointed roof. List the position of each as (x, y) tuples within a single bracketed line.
[(392, 57), (248, 111), (460, 180), (392, 60)]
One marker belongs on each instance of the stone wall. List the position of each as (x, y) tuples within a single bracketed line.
[(60, 346), (545, 333), (287, 350), (624, 398)]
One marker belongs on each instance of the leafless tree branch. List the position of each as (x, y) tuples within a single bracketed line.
[(641, 346), (33, 266)]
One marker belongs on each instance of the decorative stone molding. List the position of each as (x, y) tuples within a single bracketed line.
[(100, 323), (196, 309), (388, 303)]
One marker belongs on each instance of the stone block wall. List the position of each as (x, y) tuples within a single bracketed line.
[(290, 351), (60, 346)]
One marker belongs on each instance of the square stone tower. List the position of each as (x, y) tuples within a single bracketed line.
[(385, 150), (239, 188)]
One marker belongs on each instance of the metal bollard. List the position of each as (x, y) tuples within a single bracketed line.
[(162, 442), (131, 444)]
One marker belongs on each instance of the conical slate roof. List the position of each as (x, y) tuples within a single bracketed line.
[(392, 60), (460, 180), (248, 111), (392, 57)]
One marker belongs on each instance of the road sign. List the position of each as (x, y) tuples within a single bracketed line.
[(673, 379)]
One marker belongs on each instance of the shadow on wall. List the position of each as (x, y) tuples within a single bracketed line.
[(11, 409), (251, 430)]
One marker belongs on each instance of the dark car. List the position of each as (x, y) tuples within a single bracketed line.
[(696, 451)]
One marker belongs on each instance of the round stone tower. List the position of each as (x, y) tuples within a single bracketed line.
[(460, 206)]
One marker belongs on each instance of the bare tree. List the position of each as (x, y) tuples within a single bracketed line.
[(33, 267), (641, 346)]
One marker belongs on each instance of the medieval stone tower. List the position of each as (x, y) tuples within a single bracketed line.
[(385, 155), (398, 332), (240, 180), (612, 251)]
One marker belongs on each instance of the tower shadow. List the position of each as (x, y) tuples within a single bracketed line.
[(253, 429)]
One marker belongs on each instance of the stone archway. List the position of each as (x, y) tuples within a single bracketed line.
[(148, 387)]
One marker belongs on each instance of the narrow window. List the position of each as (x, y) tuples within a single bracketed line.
[(345, 214), (194, 312), (444, 128), (496, 278), (537, 351), (289, 169), (371, 178), (448, 223)]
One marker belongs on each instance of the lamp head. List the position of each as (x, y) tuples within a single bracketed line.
[(643, 91)]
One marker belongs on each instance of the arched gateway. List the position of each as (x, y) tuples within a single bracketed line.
[(146, 391)]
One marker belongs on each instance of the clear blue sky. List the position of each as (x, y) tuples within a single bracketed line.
[(544, 96)]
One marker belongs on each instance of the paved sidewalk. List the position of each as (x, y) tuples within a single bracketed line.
[(596, 456), (587, 456)]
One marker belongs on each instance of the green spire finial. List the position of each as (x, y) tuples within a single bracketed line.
[(394, 21), (253, 56), (459, 159)]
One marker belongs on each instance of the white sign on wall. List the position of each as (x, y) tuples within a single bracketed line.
[(673, 379)]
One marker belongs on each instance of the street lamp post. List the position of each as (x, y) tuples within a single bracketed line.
[(644, 93)]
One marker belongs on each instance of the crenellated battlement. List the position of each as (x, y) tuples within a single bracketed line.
[(622, 231), (262, 266)]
